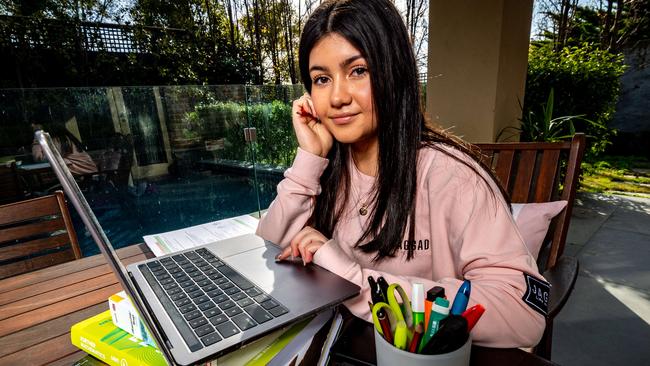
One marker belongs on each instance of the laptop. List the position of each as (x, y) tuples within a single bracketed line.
[(201, 303)]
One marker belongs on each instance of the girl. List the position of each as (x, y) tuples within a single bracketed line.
[(374, 190), (78, 160)]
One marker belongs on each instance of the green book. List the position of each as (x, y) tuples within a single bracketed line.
[(101, 338), (267, 354)]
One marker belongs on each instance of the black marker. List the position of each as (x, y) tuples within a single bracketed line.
[(451, 336), (383, 285), (375, 292)]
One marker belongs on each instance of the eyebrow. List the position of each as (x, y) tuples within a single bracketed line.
[(343, 64)]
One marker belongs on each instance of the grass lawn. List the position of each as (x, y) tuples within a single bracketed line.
[(617, 174)]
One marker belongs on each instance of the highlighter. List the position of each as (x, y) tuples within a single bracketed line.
[(417, 303), (473, 314), (461, 299), (439, 311), (401, 335), (433, 293)]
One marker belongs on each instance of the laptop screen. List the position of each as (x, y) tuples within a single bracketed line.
[(79, 202)]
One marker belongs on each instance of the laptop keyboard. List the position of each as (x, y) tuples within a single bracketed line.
[(206, 299)]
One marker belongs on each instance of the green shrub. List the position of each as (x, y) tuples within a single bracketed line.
[(276, 142), (585, 81)]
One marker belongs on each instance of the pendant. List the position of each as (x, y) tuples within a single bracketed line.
[(363, 210)]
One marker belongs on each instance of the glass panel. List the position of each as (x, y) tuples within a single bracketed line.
[(144, 123), (166, 157), (269, 111)]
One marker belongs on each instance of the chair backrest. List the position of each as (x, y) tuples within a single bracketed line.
[(540, 172), (36, 233)]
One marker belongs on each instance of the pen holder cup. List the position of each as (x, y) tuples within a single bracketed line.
[(389, 355)]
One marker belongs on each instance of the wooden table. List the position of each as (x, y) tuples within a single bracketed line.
[(38, 308)]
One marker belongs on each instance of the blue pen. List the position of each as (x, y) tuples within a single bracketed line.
[(461, 299)]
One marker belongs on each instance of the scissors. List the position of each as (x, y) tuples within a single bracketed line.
[(400, 315)]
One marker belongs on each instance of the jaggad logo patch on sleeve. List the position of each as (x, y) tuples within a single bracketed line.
[(537, 294)]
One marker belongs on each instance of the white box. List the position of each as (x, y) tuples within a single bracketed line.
[(125, 317)]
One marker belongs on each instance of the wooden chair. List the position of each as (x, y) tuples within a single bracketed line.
[(36, 233), (544, 172)]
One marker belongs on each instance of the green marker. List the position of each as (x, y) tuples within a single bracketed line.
[(439, 311), (417, 303)]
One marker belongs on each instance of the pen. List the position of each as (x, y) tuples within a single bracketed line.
[(375, 292), (461, 299), (417, 336), (432, 294), (385, 325), (473, 314), (417, 303), (383, 285)]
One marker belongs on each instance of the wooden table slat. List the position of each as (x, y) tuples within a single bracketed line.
[(61, 308), (26, 338), (65, 269), (52, 349), (69, 359), (61, 282), (55, 296)]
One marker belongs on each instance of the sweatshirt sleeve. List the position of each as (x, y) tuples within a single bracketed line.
[(294, 203), (487, 250)]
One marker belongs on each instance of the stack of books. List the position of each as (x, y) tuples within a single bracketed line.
[(304, 343)]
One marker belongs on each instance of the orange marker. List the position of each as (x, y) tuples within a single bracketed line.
[(432, 294)]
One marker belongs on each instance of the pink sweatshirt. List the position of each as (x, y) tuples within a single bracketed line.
[(462, 231)]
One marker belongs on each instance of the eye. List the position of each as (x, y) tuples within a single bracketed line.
[(319, 80), (359, 71)]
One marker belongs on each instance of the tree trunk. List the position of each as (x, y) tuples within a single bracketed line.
[(605, 36), (231, 24), (258, 40)]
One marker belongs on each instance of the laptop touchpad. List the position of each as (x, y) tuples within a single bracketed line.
[(236, 245)]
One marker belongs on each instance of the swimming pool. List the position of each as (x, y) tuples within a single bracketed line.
[(172, 203)]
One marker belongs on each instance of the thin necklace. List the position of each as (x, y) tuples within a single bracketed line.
[(363, 210)]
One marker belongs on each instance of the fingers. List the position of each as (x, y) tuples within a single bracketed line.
[(304, 107), (310, 103), (310, 249), (284, 254), (304, 245)]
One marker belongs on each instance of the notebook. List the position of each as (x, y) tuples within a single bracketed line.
[(201, 303)]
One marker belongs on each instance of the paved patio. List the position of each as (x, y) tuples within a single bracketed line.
[(607, 319)]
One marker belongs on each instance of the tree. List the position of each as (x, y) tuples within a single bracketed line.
[(416, 19), (612, 24)]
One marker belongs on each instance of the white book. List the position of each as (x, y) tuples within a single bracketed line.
[(332, 335), (298, 346)]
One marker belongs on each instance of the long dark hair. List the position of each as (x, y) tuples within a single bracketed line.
[(65, 138), (376, 29)]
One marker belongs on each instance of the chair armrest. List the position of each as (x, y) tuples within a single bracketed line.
[(562, 278)]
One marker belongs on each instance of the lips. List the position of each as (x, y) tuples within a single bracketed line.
[(342, 119)]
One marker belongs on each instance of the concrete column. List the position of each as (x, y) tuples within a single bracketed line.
[(478, 54)]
